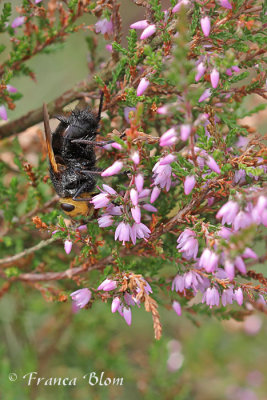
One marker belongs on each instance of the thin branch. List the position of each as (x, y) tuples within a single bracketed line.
[(35, 116), (67, 274), (179, 217), (77, 92), (26, 252)]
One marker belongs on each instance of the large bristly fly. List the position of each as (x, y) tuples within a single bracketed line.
[(72, 164)]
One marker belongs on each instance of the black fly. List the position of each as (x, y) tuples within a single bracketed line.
[(72, 158)]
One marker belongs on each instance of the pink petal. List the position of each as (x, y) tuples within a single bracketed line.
[(142, 24), (200, 71), (239, 296), (18, 22), (134, 196), (189, 184), (3, 113), (155, 194), (135, 157), (205, 25), (214, 78), (149, 31), (149, 207), (205, 95), (136, 214), (139, 182), (143, 85), (167, 159), (185, 131), (113, 169), (177, 308), (68, 246), (168, 138), (225, 4), (127, 315), (11, 89), (115, 304)]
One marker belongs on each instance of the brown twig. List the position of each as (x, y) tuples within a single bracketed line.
[(35, 116), (152, 306), (67, 274), (26, 252)]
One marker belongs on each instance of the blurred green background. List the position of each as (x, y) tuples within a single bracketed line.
[(211, 362), (217, 360)]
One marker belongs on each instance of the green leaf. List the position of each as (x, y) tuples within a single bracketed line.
[(72, 5), (195, 19), (156, 7), (116, 46), (238, 77), (255, 110), (2, 48), (99, 81), (6, 13)]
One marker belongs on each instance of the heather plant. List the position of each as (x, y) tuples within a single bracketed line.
[(179, 211)]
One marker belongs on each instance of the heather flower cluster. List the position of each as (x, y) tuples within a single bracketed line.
[(180, 164), (124, 210), (121, 301), (217, 261), (209, 256)]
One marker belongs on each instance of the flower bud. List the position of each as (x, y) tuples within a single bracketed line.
[(127, 315), (105, 221), (11, 89), (139, 182), (177, 308), (107, 285), (82, 228), (155, 194), (113, 169), (136, 214), (81, 297), (109, 47), (189, 184), (226, 4), (205, 25), (200, 71), (149, 31), (67, 246), (185, 131), (142, 24), (162, 110), (18, 22), (214, 78), (115, 304), (3, 113), (168, 138), (149, 207), (167, 160), (135, 157), (205, 95), (143, 85), (134, 196), (213, 165), (239, 296)]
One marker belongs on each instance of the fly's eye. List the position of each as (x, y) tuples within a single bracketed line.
[(67, 207)]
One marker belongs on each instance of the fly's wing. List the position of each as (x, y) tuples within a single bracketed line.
[(48, 138)]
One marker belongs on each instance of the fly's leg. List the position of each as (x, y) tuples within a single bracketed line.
[(79, 191), (91, 142), (94, 143)]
